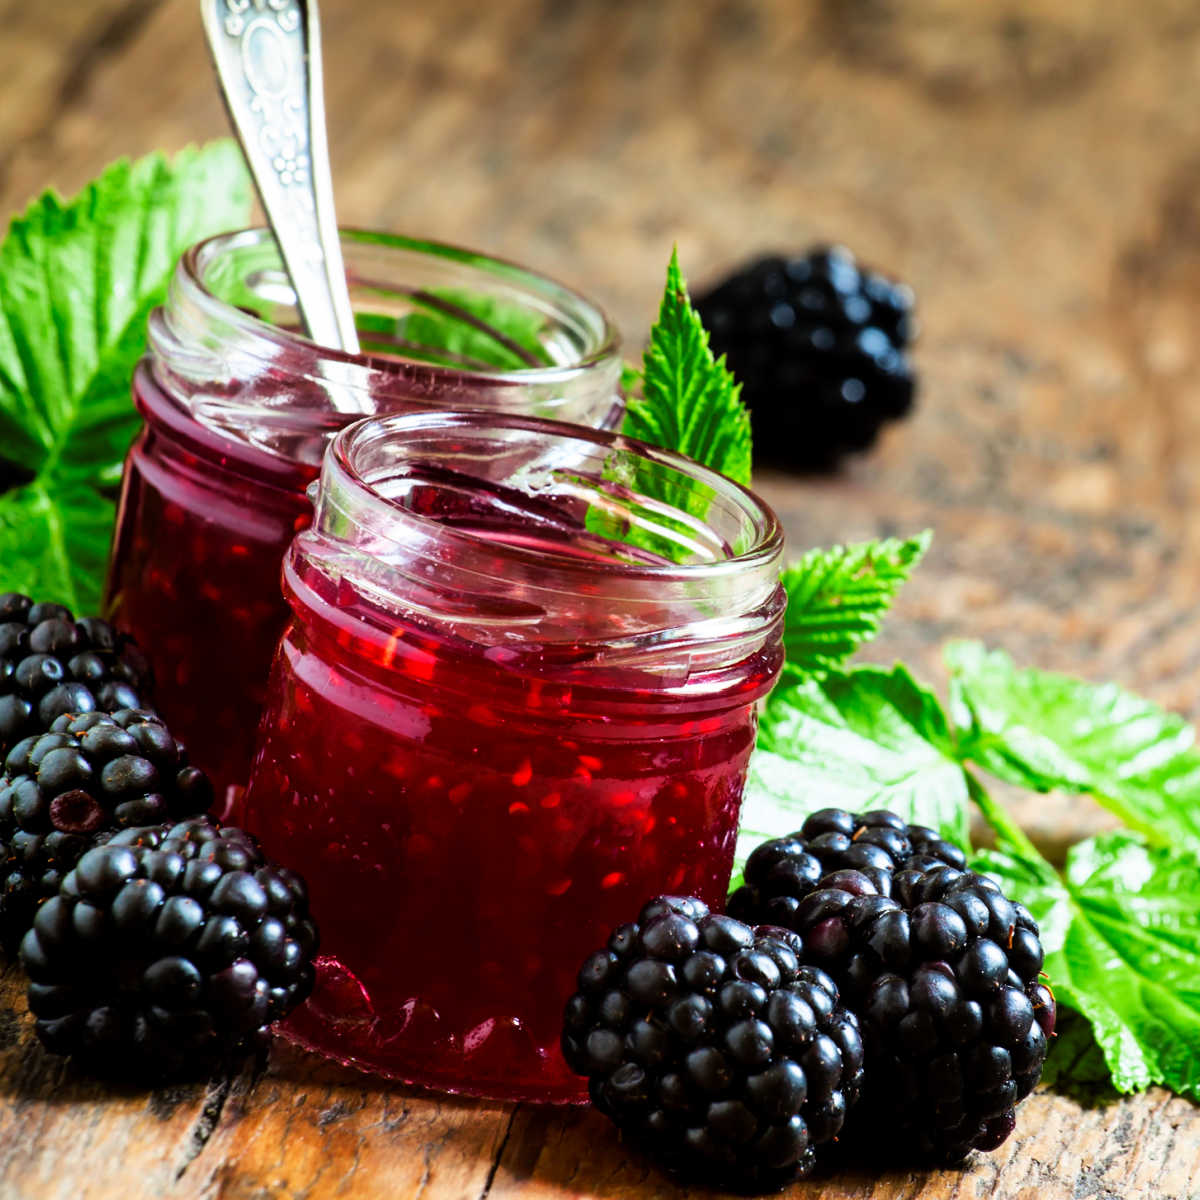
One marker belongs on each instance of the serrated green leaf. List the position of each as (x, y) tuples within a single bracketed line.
[(689, 401), (683, 400), (78, 279), (1044, 731), (1121, 930), (861, 739), (837, 598)]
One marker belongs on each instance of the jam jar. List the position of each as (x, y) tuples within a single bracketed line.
[(238, 408), (515, 699)]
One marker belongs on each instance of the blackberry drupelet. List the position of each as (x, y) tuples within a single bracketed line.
[(782, 871), (943, 972), (67, 789), (820, 348), (51, 664), (712, 1047), (168, 951)]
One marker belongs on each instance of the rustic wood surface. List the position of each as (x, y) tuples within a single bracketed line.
[(1032, 167)]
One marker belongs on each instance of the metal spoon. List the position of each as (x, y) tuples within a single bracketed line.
[(267, 54)]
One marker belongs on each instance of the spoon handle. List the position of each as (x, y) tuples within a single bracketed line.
[(267, 55)]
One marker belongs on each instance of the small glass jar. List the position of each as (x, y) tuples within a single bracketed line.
[(515, 700), (239, 407)]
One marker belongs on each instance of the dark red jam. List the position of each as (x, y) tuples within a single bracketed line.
[(471, 829), (239, 408), (492, 733), (202, 527)]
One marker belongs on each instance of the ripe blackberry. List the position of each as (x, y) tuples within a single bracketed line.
[(819, 346), (51, 664), (167, 951), (712, 1047), (75, 785), (944, 976), (781, 872)]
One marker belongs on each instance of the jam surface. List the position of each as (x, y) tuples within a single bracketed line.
[(472, 824)]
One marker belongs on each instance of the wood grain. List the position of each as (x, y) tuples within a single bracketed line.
[(297, 1128), (1030, 166)]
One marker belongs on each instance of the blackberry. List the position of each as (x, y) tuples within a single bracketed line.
[(67, 789), (168, 951), (51, 664), (820, 348), (712, 1046), (943, 973), (781, 872)]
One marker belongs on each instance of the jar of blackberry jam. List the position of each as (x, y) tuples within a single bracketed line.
[(239, 407), (516, 698)]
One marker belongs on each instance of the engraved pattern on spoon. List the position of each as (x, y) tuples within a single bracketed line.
[(267, 56)]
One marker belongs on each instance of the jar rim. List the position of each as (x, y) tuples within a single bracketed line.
[(343, 466), (538, 539), (198, 259)]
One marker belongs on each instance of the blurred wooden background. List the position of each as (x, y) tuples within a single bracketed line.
[(1031, 167)]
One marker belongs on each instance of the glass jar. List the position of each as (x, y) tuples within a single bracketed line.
[(515, 700), (238, 408)]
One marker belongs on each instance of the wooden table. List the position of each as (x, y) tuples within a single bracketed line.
[(1032, 167)]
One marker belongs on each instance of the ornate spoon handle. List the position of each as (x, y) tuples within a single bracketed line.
[(267, 54)]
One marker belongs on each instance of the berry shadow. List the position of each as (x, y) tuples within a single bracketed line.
[(578, 1151), (30, 1075)]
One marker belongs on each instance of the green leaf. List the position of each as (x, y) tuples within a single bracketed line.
[(1076, 1066), (1044, 731), (862, 739), (55, 545), (1121, 930), (771, 805), (456, 327), (78, 279), (631, 380), (684, 400), (837, 598), (689, 402)]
